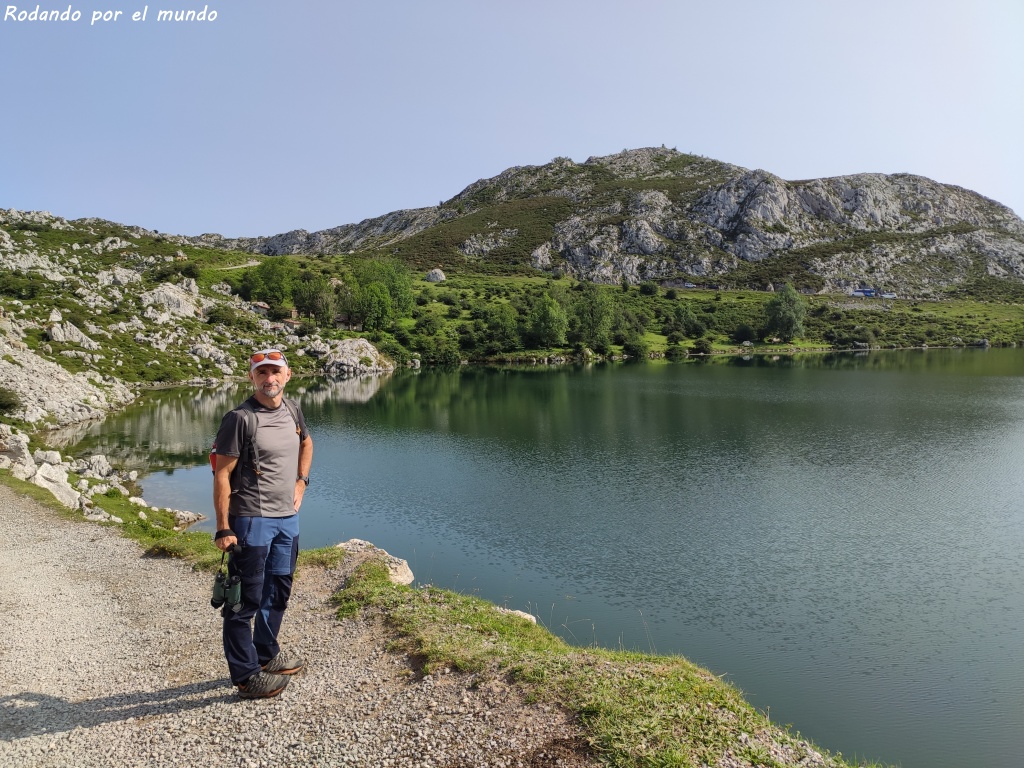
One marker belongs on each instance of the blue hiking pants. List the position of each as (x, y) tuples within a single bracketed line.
[(266, 565)]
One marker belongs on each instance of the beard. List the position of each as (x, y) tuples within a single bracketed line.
[(271, 390)]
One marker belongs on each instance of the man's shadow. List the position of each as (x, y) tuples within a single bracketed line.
[(33, 714)]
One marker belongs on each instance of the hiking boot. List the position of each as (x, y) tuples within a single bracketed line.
[(262, 685), (284, 664)]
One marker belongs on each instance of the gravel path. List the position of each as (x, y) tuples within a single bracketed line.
[(110, 658)]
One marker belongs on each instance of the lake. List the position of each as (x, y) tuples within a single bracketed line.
[(840, 536)]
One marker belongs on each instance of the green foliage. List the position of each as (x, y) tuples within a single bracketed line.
[(702, 346), (675, 353), (744, 332), (174, 271), (591, 321), (223, 314), (19, 285), (9, 400), (532, 222), (271, 281), (784, 314), (314, 297), (393, 275), (636, 347), (376, 307), (649, 289), (547, 323)]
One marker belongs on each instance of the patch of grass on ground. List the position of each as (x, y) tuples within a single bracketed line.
[(636, 709)]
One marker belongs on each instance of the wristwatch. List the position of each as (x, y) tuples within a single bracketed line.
[(304, 478)]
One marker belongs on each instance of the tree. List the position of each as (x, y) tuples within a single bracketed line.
[(649, 288), (683, 320), (375, 307), (743, 333), (592, 319), (702, 346), (271, 281), (636, 347), (395, 278), (314, 296), (547, 323), (785, 312), (502, 325)]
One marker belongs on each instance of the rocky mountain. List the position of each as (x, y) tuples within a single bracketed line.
[(659, 215), (91, 310)]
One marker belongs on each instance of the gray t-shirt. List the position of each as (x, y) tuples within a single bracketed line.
[(272, 492)]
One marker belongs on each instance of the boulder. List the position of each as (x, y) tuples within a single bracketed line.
[(118, 276), (355, 357), (14, 445), (398, 569), (317, 348), (69, 333), (46, 457), (435, 276), (54, 478)]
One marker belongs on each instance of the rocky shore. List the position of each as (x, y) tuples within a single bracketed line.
[(111, 658)]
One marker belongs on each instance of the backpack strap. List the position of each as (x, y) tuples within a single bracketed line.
[(293, 409), (249, 434), (249, 450)]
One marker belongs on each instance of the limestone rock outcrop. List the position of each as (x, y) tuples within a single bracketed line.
[(49, 392), (655, 214), (355, 357)]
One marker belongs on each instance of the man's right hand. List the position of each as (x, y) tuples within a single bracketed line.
[(225, 543)]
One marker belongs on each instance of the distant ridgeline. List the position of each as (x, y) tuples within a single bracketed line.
[(664, 216)]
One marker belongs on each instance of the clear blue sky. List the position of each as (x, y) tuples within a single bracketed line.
[(300, 114)]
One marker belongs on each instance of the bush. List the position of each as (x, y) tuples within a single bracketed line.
[(743, 333), (702, 346), (636, 347), (9, 400), (649, 289)]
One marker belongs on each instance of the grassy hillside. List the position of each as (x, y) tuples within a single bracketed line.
[(492, 307)]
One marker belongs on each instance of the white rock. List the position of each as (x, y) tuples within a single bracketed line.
[(54, 478), (398, 569), (46, 457), (521, 614), (355, 357)]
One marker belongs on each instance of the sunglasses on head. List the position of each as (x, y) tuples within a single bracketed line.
[(259, 357)]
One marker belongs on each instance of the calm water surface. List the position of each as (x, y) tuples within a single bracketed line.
[(841, 537)]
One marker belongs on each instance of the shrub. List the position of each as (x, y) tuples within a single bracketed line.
[(649, 289), (9, 400), (743, 333), (636, 347), (702, 346)]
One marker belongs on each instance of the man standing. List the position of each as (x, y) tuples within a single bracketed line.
[(261, 471)]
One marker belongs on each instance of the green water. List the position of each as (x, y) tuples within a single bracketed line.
[(839, 536)]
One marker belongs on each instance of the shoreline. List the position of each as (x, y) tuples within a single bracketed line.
[(377, 691), (147, 684)]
